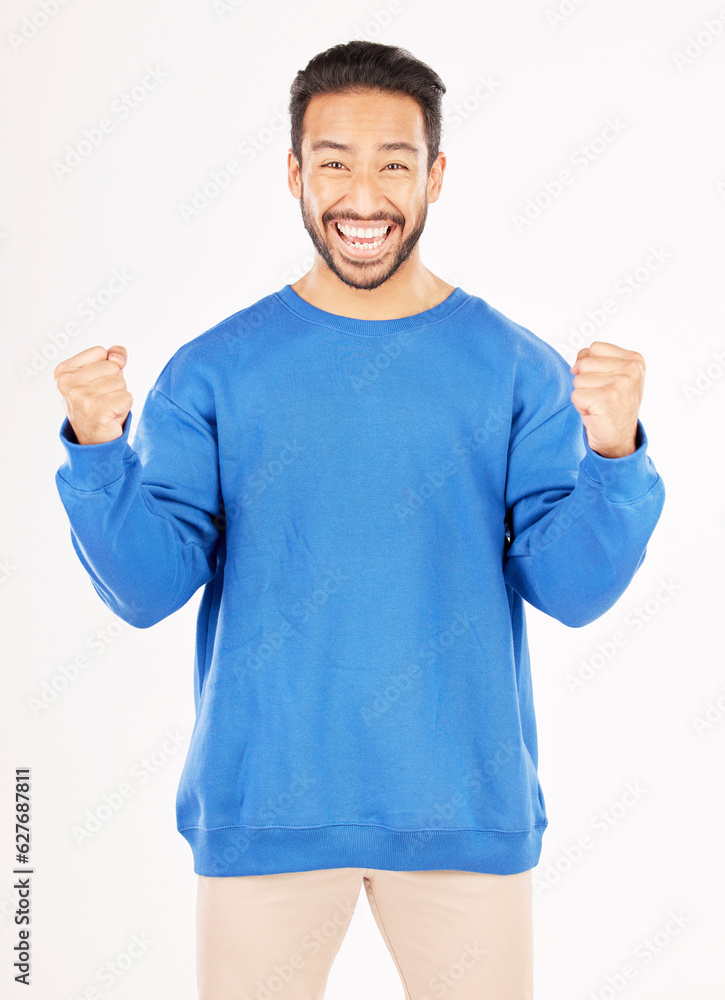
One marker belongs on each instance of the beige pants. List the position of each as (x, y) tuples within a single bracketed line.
[(453, 935)]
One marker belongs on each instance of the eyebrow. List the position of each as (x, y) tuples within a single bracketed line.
[(331, 144)]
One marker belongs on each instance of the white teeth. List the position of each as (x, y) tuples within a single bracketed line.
[(369, 246), (359, 231)]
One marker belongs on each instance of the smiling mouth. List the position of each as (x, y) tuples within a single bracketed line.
[(363, 245)]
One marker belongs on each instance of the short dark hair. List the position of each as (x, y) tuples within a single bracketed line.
[(359, 66)]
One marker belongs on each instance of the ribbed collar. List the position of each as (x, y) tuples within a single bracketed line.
[(371, 327)]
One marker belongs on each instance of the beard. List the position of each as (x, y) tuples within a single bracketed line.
[(364, 274)]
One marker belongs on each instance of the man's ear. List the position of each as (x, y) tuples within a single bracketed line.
[(435, 177), (293, 174)]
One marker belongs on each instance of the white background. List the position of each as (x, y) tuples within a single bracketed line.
[(553, 83)]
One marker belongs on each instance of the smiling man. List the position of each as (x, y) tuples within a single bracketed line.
[(365, 202), (369, 472)]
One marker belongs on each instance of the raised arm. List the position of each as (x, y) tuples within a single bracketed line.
[(579, 522), (143, 519)]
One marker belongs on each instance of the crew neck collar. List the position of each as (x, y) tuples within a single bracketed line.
[(371, 327)]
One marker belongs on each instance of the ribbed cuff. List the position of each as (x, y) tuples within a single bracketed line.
[(624, 479), (90, 467)]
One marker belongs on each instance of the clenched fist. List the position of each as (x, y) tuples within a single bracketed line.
[(609, 383), (94, 393)]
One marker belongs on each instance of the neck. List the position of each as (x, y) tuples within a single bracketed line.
[(410, 290)]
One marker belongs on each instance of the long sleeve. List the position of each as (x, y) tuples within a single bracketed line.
[(142, 518), (578, 522)]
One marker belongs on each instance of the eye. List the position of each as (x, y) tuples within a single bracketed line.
[(336, 163)]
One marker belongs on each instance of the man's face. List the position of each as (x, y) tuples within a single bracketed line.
[(347, 179)]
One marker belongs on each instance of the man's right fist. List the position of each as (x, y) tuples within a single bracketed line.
[(94, 393)]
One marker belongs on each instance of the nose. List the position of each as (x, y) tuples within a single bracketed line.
[(363, 196)]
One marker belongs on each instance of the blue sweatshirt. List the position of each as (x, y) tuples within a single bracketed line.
[(367, 505)]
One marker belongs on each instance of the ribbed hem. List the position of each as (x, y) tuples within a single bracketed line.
[(624, 479), (371, 327), (90, 467), (246, 850)]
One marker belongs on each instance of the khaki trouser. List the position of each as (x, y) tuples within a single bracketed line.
[(452, 935)]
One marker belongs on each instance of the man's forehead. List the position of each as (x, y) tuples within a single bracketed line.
[(342, 117)]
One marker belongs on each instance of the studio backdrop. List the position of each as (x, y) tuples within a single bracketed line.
[(144, 199)]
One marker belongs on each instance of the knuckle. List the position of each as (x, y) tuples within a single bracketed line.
[(79, 396)]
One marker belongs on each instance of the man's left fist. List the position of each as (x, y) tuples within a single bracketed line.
[(608, 388)]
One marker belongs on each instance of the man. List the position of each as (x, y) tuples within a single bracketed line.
[(369, 471)]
